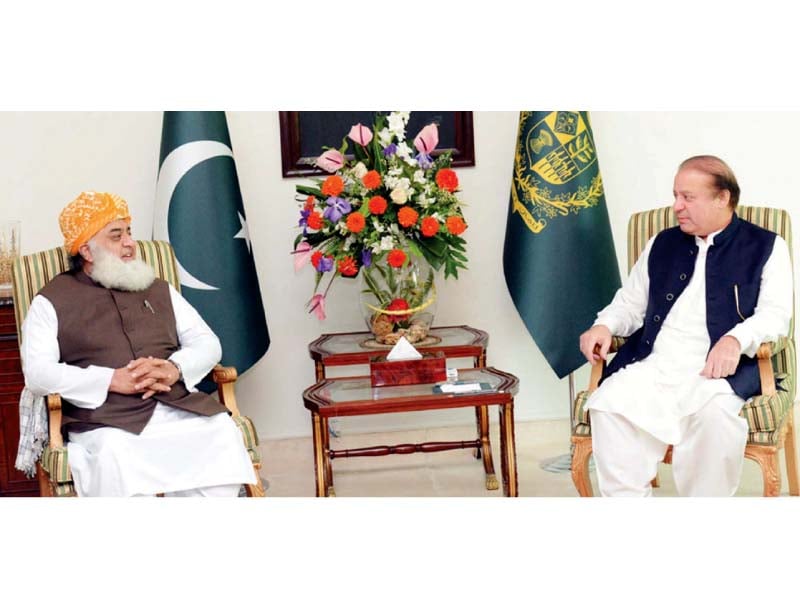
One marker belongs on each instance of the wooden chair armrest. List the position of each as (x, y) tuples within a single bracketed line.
[(225, 377), (597, 368), (765, 372), (770, 349), (54, 414)]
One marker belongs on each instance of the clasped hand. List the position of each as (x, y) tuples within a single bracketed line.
[(151, 375)]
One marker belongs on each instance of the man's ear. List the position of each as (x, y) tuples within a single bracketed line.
[(86, 253), (724, 197)]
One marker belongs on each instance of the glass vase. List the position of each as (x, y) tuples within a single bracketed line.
[(399, 302)]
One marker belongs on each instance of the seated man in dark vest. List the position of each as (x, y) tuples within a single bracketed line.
[(125, 350), (699, 301)]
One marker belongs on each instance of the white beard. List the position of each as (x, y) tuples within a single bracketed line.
[(112, 272)]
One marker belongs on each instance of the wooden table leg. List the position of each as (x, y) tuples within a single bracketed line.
[(486, 448), (326, 439), (477, 451), (508, 450), (318, 425)]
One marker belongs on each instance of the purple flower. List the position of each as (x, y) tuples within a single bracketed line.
[(366, 257), (303, 222), (337, 208), (425, 160), (390, 149), (325, 264)]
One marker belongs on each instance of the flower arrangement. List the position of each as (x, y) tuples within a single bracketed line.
[(380, 213)]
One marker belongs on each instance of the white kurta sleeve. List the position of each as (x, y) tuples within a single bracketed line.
[(626, 312), (200, 349), (773, 311), (41, 362)]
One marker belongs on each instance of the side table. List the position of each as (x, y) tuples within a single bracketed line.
[(351, 396), (459, 341)]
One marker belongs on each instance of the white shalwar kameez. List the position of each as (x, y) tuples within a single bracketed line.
[(641, 409), (178, 453)]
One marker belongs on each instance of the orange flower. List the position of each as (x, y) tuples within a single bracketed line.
[(333, 186), (396, 258), (429, 226), (371, 180), (407, 216), (455, 225), (309, 203), (315, 220), (447, 179), (315, 258), (377, 205), (356, 222), (348, 266)]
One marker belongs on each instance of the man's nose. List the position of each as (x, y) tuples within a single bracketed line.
[(678, 205), (127, 240)]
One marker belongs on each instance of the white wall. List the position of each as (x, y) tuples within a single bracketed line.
[(46, 159)]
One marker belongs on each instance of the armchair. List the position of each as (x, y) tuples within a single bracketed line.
[(29, 274), (770, 416)]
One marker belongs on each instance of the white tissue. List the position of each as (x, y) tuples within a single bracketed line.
[(403, 350)]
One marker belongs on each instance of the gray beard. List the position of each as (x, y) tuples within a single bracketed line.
[(112, 272)]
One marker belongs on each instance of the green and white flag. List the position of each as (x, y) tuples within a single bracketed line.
[(199, 211), (559, 258)]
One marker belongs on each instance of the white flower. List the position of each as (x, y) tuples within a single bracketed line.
[(376, 225), (419, 176), (387, 243), (405, 115), (349, 242), (403, 151), (341, 227), (397, 126), (385, 137), (359, 170), (399, 195)]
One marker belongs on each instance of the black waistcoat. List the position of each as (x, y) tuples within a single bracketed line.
[(736, 258)]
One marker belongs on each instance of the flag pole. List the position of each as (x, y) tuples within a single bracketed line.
[(563, 462)]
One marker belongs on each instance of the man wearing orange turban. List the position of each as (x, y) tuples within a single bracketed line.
[(125, 350)]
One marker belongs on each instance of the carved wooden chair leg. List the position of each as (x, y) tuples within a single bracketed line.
[(790, 448), (767, 459), (580, 465)]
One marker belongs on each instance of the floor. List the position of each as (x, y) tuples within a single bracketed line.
[(288, 466)]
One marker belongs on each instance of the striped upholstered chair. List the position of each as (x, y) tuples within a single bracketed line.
[(30, 273), (770, 416)]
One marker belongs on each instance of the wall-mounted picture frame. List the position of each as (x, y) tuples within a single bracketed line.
[(304, 133)]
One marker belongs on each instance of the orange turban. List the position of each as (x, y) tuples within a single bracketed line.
[(82, 218)]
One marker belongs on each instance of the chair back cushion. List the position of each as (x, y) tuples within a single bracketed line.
[(32, 272)]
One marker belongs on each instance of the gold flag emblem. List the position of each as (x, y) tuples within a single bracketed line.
[(555, 151)]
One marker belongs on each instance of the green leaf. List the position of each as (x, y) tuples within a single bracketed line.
[(435, 245), (310, 191)]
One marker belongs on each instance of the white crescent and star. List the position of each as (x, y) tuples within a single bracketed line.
[(177, 164)]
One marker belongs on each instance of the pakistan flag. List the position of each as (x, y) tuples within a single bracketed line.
[(199, 211), (559, 258)]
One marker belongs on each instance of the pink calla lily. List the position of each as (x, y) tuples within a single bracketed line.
[(317, 304), (302, 254), (427, 139), (330, 161), (360, 135)]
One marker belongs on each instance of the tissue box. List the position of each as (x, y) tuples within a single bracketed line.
[(428, 369)]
